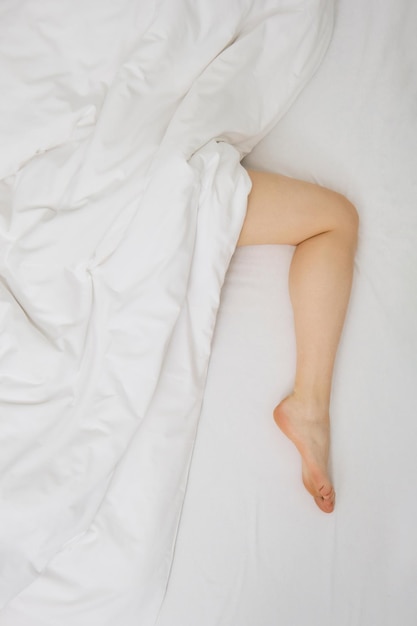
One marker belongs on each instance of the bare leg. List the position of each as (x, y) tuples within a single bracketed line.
[(322, 225)]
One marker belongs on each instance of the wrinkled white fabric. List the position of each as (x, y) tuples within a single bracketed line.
[(122, 198)]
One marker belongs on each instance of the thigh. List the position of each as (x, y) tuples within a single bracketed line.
[(283, 210)]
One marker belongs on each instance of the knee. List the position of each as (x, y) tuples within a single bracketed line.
[(347, 219)]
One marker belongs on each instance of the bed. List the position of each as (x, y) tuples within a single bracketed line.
[(143, 480)]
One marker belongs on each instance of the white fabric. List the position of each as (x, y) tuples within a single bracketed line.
[(122, 196)]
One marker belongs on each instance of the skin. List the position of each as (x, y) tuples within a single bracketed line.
[(323, 226)]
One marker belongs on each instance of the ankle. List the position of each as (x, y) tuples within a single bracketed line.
[(314, 405)]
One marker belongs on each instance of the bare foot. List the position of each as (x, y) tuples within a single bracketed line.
[(309, 430)]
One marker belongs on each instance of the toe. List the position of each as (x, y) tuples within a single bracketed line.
[(327, 506), (326, 491), (326, 498)]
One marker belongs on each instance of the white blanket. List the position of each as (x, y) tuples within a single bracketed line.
[(122, 197)]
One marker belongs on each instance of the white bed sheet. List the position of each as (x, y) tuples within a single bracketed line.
[(253, 548)]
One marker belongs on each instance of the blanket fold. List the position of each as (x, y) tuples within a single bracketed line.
[(118, 228)]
